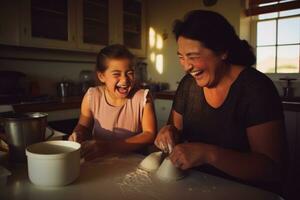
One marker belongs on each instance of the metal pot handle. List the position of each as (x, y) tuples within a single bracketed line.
[(52, 133)]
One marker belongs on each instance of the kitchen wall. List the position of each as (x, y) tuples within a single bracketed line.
[(53, 67), (47, 74), (161, 15)]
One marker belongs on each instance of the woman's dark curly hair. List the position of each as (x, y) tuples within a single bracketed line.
[(215, 33)]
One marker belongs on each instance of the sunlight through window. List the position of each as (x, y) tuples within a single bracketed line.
[(159, 42), (159, 63), (151, 37), (156, 45), (152, 57)]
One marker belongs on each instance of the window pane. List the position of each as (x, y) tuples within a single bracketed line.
[(289, 30), (266, 33), (266, 59), (288, 59), (289, 12), (268, 15)]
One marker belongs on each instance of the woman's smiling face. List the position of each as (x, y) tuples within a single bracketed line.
[(202, 63), (118, 77)]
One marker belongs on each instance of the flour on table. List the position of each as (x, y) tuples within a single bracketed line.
[(137, 182)]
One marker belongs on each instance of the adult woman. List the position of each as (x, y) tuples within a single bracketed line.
[(229, 113)]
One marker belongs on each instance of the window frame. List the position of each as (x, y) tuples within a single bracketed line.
[(253, 34)]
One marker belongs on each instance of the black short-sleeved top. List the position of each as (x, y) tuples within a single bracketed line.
[(251, 100)]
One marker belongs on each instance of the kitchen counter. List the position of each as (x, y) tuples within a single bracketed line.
[(73, 102), (292, 104), (169, 95), (58, 103), (117, 177)]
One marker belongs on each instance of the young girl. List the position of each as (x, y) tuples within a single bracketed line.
[(118, 116)]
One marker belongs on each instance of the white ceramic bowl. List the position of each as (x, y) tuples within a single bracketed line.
[(53, 163)]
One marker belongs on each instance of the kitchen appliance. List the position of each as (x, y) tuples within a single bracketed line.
[(87, 80), (141, 74), (53, 163), (22, 130), (288, 90), (64, 89)]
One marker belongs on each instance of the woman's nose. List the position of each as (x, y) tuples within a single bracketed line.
[(185, 63), (187, 66)]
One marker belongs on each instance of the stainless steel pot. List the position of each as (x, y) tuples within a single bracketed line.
[(22, 130)]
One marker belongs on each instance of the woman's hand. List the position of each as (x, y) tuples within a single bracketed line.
[(165, 139), (92, 149), (188, 155)]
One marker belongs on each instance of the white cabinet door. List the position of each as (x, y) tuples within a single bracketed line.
[(77, 25), (292, 127), (297, 158), (162, 110), (9, 22), (134, 26), (291, 133), (96, 27), (126, 25), (47, 24)]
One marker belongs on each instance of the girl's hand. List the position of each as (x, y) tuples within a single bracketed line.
[(165, 139), (76, 137), (92, 149), (188, 155)]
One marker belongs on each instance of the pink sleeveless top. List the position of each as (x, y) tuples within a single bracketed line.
[(116, 122)]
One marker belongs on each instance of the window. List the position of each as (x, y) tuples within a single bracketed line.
[(278, 42), (277, 37)]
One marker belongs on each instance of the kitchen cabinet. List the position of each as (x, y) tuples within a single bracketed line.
[(9, 22), (95, 26), (292, 126), (48, 24), (77, 25), (162, 110), (120, 21), (134, 26)]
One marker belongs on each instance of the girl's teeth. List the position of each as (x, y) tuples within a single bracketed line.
[(122, 89), (122, 86)]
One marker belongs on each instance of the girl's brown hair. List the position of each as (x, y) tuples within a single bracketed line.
[(115, 51)]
